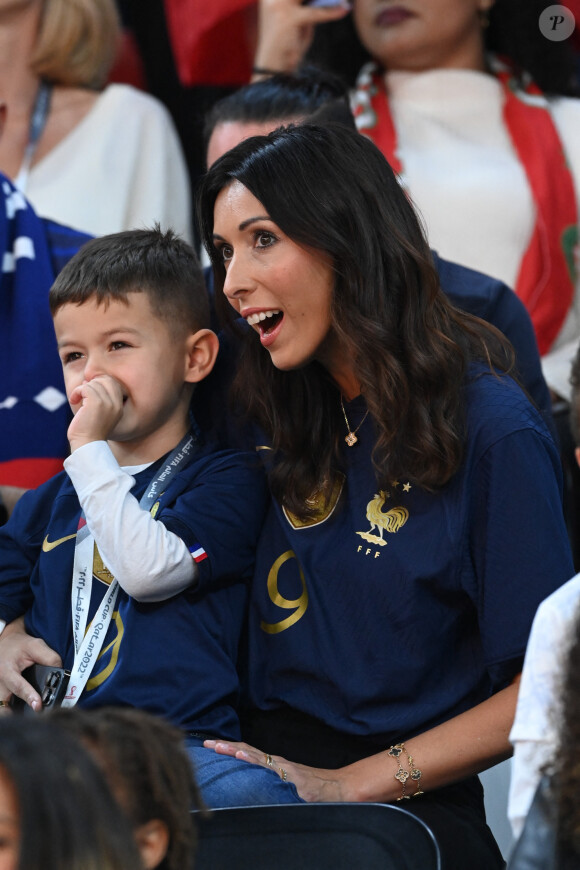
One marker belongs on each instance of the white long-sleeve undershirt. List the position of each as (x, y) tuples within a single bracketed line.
[(150, 562)]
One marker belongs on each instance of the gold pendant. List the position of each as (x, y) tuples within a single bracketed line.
[(351, 439)]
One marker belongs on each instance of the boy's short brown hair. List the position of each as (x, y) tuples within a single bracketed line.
[(154, 262)]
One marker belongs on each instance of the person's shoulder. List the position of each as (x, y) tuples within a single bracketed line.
[(480, 294), (36, 506), (126, 98), (497, 406), (52, 486), (469, 289), (235, 466)]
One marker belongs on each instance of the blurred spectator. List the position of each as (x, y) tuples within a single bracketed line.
[(539, 709), (101, 160), (56, 810), (148, 769)]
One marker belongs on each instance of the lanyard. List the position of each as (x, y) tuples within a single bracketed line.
[(38, 120), (89, 641)]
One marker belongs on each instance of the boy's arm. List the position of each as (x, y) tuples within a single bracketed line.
[(150, 562), (20, 547)]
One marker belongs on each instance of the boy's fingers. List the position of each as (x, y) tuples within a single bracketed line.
[(41, 654), (17, 652), (19, 687)]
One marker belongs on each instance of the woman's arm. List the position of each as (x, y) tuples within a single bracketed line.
[(286, 30), (458, 748)]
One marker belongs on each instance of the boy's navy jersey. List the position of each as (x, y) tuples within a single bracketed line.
[(175, 658), (395, 608)]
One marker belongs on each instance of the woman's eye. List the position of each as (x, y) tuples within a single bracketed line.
[(225, 252), (71, 357), (118, 345), (264, 239)]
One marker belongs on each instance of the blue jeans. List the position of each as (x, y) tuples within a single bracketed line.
[(228, 782)]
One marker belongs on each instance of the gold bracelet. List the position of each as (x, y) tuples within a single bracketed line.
[(402, 775)]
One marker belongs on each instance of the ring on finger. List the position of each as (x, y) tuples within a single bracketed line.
[(283, 774), (269, 760)]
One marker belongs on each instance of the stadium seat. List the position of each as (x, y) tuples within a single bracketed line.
[(334, 836)]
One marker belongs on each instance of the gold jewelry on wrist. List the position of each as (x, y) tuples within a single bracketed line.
[(402, 774), (283, 774)]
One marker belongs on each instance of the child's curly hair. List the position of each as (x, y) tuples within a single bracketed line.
[(146, 764)]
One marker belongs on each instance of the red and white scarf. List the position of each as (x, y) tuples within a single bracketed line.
[(547, 273)]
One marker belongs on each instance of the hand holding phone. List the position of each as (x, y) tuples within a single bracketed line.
[(50, 683)]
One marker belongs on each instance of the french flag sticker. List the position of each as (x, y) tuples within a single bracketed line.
[(198, 553)]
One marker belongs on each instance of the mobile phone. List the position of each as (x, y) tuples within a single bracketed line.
[(50, 683)]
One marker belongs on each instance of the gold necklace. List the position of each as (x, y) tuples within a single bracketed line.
[(350, 437)]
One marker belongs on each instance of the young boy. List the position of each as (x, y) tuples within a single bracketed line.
[(131, 564)]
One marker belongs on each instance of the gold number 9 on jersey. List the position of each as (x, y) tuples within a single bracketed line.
[(298, 605)]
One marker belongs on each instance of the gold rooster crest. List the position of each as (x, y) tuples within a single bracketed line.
[(391, 520)]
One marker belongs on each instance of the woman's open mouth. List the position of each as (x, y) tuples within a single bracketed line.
[(267, 323)]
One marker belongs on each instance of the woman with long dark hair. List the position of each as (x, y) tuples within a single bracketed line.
[(416, 520)]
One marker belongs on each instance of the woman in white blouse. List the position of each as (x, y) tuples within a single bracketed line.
[(98, 158)]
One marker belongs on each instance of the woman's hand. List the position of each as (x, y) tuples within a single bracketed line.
[(313, 784), (286, 30), (18, 650), (463, 746)]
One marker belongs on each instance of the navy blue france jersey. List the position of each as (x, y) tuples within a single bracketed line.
[(395, 609), (175, 658)]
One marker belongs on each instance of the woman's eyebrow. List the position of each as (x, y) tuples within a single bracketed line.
[(245, 224)]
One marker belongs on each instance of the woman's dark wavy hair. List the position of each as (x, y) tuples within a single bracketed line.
[(331, 190), (513, 32)]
